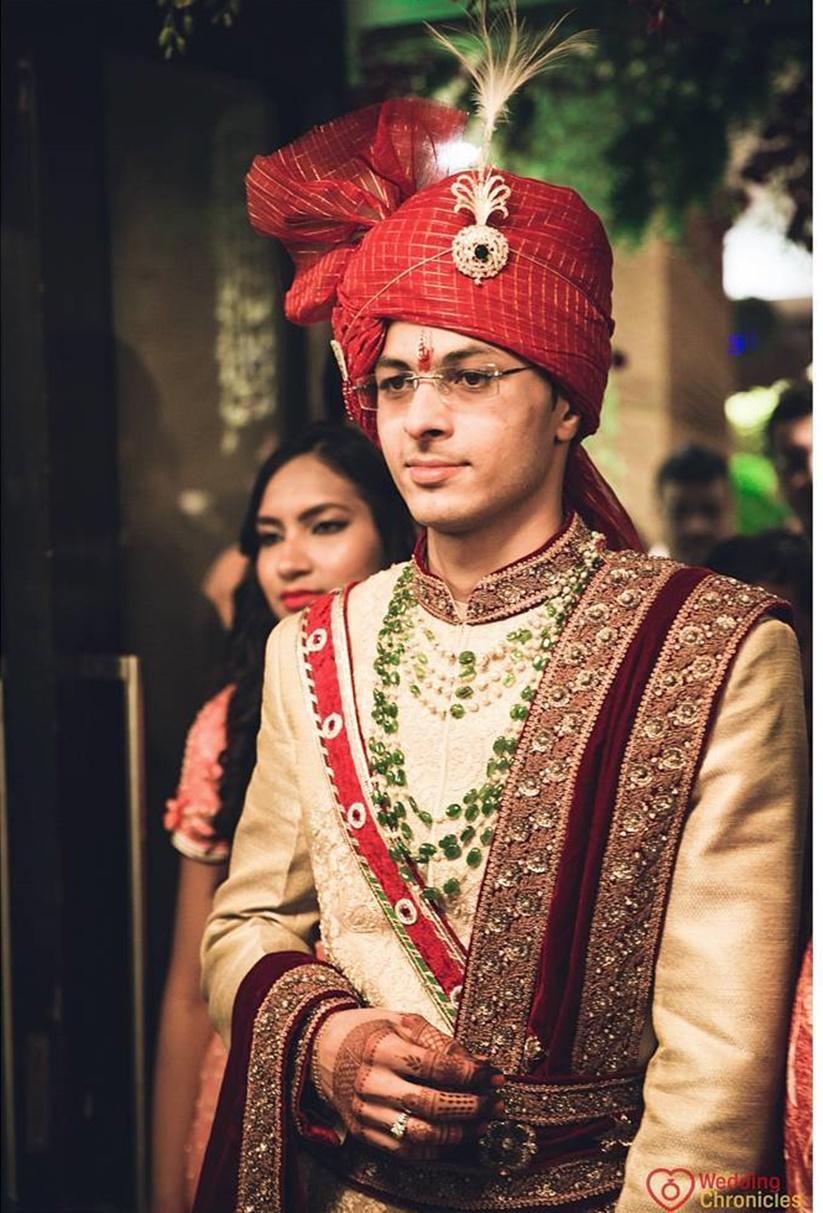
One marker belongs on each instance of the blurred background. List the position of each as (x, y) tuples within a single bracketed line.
[(147, 369)]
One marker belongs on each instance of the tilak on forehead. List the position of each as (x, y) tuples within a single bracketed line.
[(381, 229), (425, 350)]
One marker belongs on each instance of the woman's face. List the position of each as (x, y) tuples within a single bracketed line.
[(315, 533)]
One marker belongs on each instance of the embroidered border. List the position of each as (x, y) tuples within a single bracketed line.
[(562, 1183), (547, 1104), (300, 1063), (512, 590), (436, 954), (266, 1120), (656, 779), (515, 898)]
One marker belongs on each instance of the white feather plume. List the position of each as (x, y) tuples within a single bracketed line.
[(501, 55)]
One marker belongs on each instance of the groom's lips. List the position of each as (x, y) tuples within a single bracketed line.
[(431, 471)]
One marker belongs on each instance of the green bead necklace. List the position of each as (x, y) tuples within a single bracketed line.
[(480, 680), (474, 819)]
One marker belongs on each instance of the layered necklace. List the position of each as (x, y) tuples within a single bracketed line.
[(475, 682)]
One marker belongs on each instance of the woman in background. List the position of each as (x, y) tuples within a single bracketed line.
[(323, 512), (797, 1121)]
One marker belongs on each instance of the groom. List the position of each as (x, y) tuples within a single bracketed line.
[(540, 794)]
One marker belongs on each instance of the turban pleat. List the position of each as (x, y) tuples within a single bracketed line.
[(322, 193)]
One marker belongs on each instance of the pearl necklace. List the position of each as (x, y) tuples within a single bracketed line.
[(475, 818), (481, 679)]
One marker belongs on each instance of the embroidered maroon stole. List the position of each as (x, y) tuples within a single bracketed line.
[(594, 807), (250, 1162)]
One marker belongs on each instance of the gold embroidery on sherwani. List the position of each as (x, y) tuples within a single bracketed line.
[(514, 904), (331, 1196), (558, 1184), (271, 1068), (510, 591), (572, 1103), (541, 1106), (656, 777)]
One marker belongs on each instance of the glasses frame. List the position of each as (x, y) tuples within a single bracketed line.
[(436, 379)]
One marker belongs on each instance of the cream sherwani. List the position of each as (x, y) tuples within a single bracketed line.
[(712, 1047)]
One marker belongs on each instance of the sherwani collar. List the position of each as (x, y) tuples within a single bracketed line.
[(508, 591)]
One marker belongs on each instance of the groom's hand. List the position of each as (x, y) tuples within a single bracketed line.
[(383, 1068)]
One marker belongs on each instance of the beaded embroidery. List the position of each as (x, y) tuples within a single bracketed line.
[(554, 1186), (656, 780), (264, 1144)]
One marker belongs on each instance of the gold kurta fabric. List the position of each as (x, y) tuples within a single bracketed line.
[(714, 1040)]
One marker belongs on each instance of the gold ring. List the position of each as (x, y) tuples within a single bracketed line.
[(398, 1129)]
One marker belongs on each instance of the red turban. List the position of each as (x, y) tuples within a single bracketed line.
[(365, 206)]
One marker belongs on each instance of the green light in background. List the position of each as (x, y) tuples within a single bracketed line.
[(754, 483), (748, 412), (382, 14), (759, 507)]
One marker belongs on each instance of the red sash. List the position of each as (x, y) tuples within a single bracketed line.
[(435, 951)]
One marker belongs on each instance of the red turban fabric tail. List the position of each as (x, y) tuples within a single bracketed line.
[(590, 494)]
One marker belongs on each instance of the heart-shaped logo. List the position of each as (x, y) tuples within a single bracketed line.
[(670, 1189)]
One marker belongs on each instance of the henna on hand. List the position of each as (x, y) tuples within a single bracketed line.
[(387, 1062), (354, 1060), (433, 1105), (413, 1062), (444, 1062), (421, 1138), (420, 1032), (436, 1067), (418, 1132)]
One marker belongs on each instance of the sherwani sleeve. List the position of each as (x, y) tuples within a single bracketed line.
[(268, 902), (726, 964)]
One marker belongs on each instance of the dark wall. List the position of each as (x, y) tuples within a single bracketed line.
[(120, 482)]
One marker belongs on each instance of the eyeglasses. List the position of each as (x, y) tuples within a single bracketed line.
[(458, 384)]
